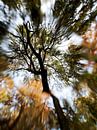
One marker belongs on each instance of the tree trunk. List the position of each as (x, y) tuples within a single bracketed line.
[(63, 121), (45, 82)]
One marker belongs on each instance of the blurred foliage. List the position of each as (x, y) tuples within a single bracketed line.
[(75, 15), (89, 55), (73, 57), (87, 85), (24, 109), (12, 4), (34, 9), (86, 112), (3, 62), (3, 29)]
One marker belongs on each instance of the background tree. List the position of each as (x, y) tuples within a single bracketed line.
[(86, 85)]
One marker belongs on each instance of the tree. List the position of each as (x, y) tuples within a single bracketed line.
[(86, 86), (35, 46)]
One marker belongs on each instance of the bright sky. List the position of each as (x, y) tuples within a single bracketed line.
[(47, 5)]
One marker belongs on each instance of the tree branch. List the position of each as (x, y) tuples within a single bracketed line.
[(28, 41), (30, 70)]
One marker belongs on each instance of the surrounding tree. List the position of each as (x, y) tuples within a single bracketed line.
[(86, 85), (34, 45)]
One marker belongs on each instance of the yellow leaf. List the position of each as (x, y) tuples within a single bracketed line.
[(3, 95), (9, 82), (34, 90)]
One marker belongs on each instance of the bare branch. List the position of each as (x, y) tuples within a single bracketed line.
[(28, 41), (29, 70), (16, 36)]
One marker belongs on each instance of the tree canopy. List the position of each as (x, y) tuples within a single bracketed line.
[(34, 41)]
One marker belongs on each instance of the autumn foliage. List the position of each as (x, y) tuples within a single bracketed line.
[(90, 45)]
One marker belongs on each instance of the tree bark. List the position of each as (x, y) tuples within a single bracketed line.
[(44, 81), (63, 121)]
